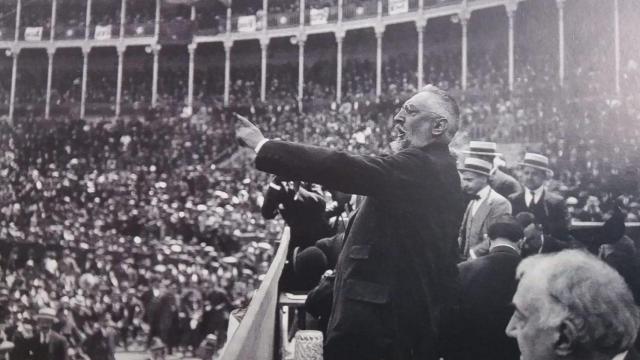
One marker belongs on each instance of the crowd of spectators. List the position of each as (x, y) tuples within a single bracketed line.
[(96, 217), (145, 215)]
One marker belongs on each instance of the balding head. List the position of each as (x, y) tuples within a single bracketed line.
[(448, 107), (431, 115)]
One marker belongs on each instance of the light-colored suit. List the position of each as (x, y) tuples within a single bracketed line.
[(473, 228)]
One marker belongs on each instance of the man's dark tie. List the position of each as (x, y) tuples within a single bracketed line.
[(475, 197), (533, 199)]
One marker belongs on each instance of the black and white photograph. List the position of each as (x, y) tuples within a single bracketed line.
[(319, 179)]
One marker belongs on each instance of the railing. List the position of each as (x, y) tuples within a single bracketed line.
[(115, 32), (7, 33), (255, 337), (140, 29), (102, 109), (352, 10), (283, 20), (70, 32), (357, 10)]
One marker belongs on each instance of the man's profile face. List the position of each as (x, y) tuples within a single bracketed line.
[(533, 178), (413, 123), (472, 182), (535, 339)]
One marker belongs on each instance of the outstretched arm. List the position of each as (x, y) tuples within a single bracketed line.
[(354, 174)]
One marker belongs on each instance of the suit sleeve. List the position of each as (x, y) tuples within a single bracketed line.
[(559, 219), (354, 174)]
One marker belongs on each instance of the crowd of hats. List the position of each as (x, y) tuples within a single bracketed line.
[(93, 215)]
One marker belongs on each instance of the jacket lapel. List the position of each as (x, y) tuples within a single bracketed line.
[(462, 234), (483, 211)]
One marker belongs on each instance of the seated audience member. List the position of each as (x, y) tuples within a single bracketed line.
[(570, 305), (487, 287)]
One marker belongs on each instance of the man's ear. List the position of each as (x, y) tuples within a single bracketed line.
[(567, 333), (440, 126)]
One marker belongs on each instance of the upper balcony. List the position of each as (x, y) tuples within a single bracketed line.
[(208, 22)]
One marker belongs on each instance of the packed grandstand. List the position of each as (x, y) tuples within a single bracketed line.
[(145, 191)]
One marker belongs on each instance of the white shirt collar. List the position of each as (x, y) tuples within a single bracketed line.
[(537, 194), (507, 245), (484, 193)]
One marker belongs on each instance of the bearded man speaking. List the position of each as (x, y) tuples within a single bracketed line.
[(397, 271)]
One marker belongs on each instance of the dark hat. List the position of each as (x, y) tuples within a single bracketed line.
[(309, 265), (505, 227), (536, 161), (525, 218), (614, 228), (477, 166), (482, 148)]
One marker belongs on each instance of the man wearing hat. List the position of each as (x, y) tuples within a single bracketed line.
[(101, 343), (503, 183), (47, 344), (485, 206), (487, 287), (549, 209)]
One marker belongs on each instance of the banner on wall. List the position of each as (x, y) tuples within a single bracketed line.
[(398, 6), (247, 23), (103, 32), (33, 33), (319, 16)]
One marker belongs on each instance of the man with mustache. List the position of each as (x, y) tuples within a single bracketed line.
[(396, 273)]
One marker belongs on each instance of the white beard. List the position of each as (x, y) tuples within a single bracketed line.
[(398, 145)]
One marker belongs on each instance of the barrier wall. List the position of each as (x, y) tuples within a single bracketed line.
[(254, 339)]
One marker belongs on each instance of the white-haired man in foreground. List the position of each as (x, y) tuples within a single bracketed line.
[(570, 305)]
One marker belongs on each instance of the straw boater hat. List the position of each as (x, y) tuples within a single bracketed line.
[(482, 148), (536, 161), (156, 344), (46, 314), (477, 166)]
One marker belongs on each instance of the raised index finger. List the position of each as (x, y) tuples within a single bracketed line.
[(243, 120)]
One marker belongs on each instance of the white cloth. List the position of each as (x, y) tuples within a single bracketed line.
[(44, 337), (259, 146), (620, 356), (537, 195), (483, 194)]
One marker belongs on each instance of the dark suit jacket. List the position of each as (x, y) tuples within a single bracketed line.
[(56, 349), (504, 183), (488, 284), (99, 346), (553, 214), (397, 269)]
